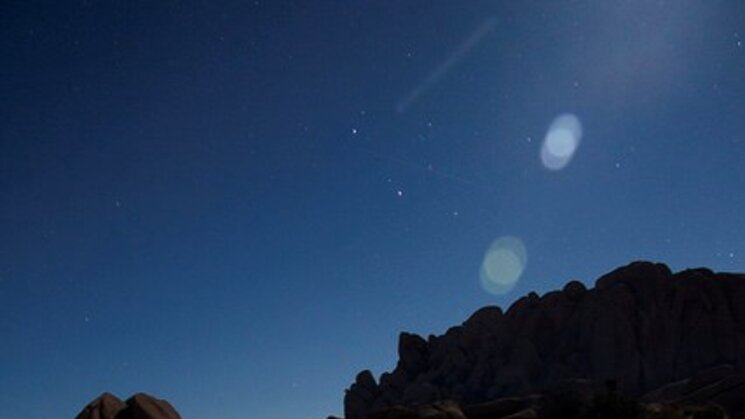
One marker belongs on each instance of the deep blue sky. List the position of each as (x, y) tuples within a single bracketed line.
[(220, 204)]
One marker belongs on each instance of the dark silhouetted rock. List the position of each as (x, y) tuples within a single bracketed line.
[(142, 406), (499, 408), (412, 353), (643, 328), (139, 406), (446, 409), (106, 406), (578, 399)]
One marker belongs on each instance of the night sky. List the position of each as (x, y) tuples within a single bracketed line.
[(236, 206)]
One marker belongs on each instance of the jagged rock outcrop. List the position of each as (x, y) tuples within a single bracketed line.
[(139, 406), (641, 327)]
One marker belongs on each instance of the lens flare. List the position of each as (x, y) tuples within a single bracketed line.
[(504, 263), (561, 141)]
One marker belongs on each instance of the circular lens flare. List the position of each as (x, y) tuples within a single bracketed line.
[(503, 264), (561, 142)]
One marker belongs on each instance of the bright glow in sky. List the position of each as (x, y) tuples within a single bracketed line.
[(504, 263), (561, 142)]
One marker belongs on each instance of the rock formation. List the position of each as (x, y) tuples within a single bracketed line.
[(674, 337), (139, 406)]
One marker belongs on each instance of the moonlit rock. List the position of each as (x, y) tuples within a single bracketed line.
[(139, 406), (504, 263), (561, 141)]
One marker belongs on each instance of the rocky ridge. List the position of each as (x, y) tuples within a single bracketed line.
[(657, 336)]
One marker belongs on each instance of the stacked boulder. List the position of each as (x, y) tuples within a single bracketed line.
[(641, 327), (139, 406)]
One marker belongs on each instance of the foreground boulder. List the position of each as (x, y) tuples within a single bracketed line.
[(139, 406), (642, 328)]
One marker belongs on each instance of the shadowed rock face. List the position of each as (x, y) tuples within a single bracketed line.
[(139, 406), (641, 327)]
